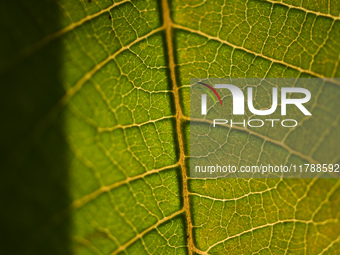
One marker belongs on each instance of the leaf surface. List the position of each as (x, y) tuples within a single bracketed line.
[(96, 145)]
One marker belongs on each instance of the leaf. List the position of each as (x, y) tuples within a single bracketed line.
[(95, 108)]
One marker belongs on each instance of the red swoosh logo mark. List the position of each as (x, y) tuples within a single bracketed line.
[(212, 89)]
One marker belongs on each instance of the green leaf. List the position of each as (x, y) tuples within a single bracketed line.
[(95, 114)]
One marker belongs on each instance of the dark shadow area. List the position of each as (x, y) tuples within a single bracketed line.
[(34, 172)]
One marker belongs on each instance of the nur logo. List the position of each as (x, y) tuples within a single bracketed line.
[(238, 99)]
